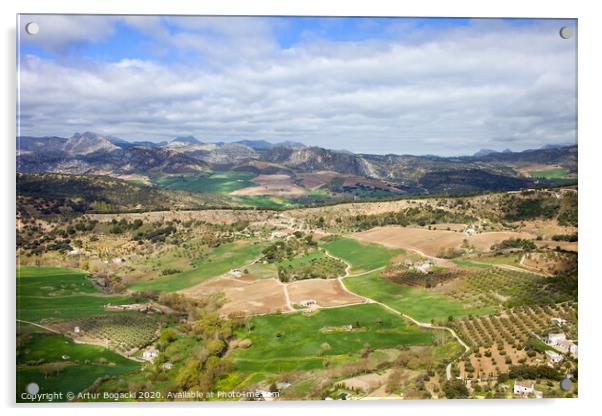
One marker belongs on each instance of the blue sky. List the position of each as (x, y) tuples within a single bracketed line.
[(372, 85)]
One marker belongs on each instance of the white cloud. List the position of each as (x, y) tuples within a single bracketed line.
[(488, 85)]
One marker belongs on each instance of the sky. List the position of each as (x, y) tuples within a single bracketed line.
[(367, 85)]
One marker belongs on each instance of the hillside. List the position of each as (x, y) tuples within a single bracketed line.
[(324, 175)]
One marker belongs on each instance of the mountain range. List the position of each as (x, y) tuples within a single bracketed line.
[(92, 153)]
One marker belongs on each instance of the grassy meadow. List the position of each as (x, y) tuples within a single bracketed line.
[(362, 257), (58, 293), (57, 364), (217, 262), (418, 303), (300, 342)]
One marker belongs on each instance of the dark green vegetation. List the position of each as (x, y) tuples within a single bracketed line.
[(421, 216), (531, 204), (297, 341), (217, 262), (191, 357), (455, 389), (421, 304), (298, 258), (313, 265), (47, 293), (520, 243), (57, 364), (362, 257), (57, 194)]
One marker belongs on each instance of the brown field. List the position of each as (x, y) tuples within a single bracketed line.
[(484, 367), (367, 382), (431, 242), (244, 297), (275, 185), (545, 228), (564, 245), (352, 181), (326, 292), (315, 179)]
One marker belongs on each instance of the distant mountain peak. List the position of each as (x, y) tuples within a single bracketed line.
[(187, 140), (484, 152), (88, 142)]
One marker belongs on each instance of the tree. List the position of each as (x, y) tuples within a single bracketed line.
[(393, 381), (455, 389)]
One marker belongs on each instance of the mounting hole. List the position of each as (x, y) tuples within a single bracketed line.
[(566, 32), (32, 28)]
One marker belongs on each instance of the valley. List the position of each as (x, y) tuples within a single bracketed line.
[(398, 298)]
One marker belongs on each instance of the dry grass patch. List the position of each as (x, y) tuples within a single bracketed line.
[(244, 297), (325, 292), (274, 185), (431, 242)]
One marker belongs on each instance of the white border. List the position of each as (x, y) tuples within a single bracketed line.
[(590, 34)]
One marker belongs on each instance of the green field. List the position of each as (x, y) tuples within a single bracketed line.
[(218, 261), (57, 293), (554, 173), (468, 263), (263, 270), (362, 257), (294, 341), (418, 303), (57, 364), (222, 182), (263, 201)]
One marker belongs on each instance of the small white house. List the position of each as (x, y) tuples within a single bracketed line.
[(560, 342), (76, 330), (524, 387), (558, 321), (166, 366), (567, 346), (150, 354), (554, 356), (553, 339)]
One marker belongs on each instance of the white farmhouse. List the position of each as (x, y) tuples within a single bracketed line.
[(560, 342), (553, 339), (554, 356), (150, 354), (524, 387)]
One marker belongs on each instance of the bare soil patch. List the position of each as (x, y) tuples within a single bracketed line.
[(242, 297), (431, 242), (316, 179), (367, 382), (275, 185), (326, 292)]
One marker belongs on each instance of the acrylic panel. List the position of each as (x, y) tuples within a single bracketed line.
[(231, 208)]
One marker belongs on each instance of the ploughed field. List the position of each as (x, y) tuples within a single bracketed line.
[(432, 242)]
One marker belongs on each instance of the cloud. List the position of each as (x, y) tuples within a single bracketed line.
[(59, 31), (411, 89)]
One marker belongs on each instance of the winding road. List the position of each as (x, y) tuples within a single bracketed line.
[(424, 325)]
